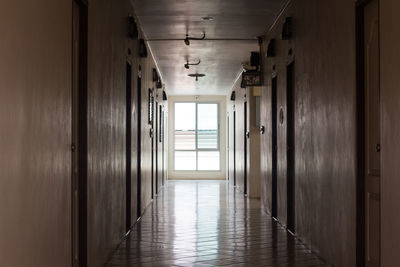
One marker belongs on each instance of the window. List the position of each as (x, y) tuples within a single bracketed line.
[(196, 137)]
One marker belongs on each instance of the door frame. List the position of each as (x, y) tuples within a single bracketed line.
[(360, 133)]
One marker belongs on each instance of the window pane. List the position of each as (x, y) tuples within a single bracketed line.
[(185, 160), (207, 124), (209, 161), (185, 126)]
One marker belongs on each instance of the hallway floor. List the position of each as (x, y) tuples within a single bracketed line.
[(207, 223)]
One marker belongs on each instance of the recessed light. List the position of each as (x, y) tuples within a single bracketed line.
[(207, 18)]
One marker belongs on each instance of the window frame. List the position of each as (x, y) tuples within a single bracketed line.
[(197, 150)]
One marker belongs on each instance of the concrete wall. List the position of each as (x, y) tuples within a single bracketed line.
[(35, 135), (325, 120), (390, 155), (179, 175)]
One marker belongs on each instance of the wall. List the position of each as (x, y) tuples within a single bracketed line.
[(148, 167), (173, 175), (390, 99), (35, 123), (325, 118), (108, 53), (35, 105), (253, 147)]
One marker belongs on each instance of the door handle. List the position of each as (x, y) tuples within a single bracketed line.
[(378, 148), (262, 129), (151, 132), (248, 135)]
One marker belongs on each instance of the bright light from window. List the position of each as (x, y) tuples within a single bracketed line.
[(196, 137)]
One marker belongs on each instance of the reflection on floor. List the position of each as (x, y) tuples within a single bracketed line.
[(205, 223)]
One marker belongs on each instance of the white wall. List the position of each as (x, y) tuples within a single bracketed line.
[(193, 175)]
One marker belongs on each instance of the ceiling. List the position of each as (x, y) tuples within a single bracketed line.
[(230, 37)]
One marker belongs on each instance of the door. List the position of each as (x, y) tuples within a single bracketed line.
[(156, 147), (139, 144), (152, 142), (227, 146), (274, 150), (234, 148), (246, 137), (290, 157), (165, 145), (79, 133), (75, 134), (128, 150), (372, 133), (161, 137)]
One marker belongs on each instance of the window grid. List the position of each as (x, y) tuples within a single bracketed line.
[(197, 149)]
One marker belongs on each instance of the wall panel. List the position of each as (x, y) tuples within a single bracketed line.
[(324, 52), (35, 133), (109, 50), (390, 99)]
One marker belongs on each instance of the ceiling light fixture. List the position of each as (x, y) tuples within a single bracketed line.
[(196, 75), (188, 38), (207, 18), (187, 65)]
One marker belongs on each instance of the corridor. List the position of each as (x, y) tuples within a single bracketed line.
[(208, 223), (199, 133)]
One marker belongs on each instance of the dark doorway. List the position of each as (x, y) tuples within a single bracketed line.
[(234, 148), (274, 156), (128, 145), (139, 143), (290, 147), (79, 134), (246, 136)]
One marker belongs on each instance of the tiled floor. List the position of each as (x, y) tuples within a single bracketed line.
[(207, 224)]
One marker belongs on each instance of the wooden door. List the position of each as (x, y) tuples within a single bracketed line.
[(246, 136), (234, 148), (227, 146), (156, 148), (274, 156), (139, 145), (79, 133), (290, 157), (128, 124), (159, 147), (75, 132), (372, 134)]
